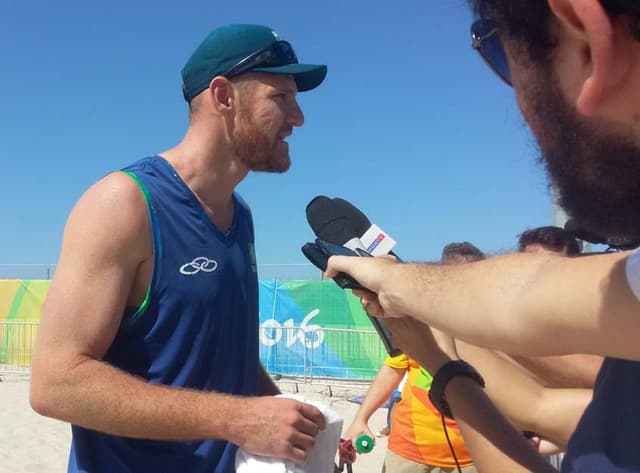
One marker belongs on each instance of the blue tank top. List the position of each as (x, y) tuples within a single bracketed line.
[(607, 439), (197, 327)]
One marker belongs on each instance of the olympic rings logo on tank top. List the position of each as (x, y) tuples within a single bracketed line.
[(201, 263)]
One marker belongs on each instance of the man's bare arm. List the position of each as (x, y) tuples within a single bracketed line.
[(493, 442), (530, 304), (379, 391), (563, 371), (106, 239), (552, 413)]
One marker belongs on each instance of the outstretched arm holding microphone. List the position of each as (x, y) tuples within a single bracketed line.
[(530, 304)]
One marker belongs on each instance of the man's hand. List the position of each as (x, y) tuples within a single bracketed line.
[(370, 303), (545, 447), (357, 428), (276, 427), (370, 273)]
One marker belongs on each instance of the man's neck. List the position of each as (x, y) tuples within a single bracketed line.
[(212, 173)]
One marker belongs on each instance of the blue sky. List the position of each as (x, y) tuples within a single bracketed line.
[(409, 125)]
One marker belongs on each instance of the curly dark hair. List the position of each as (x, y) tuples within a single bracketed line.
[(461, 251), (553, 238), (527, 22)]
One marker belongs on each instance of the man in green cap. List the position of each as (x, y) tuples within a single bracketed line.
[(149, 337)]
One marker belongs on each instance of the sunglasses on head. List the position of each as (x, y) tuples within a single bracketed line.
[(487, 42), (279, 53)]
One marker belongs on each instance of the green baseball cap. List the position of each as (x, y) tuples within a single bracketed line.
[(232, 50)]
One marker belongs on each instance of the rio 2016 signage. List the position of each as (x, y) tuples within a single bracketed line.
[(316, 327), (309, 335)]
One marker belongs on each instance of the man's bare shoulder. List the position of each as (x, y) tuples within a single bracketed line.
[(113, 211), (115, 191)]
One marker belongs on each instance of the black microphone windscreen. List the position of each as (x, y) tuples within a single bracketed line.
[(357, 219), (336, 220)]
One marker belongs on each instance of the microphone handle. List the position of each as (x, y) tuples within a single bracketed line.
[(383, 332), (396, 257), (385, 336)]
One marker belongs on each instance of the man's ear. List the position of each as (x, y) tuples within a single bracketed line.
[(221, 93), (605, 48)]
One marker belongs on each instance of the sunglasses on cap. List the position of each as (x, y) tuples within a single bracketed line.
[(487, 42), (276, 54)]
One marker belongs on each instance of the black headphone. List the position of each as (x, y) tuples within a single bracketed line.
[(615, 243)]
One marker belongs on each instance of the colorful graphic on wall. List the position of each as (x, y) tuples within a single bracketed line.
[(318, 326), (307, 328), (20, 307)]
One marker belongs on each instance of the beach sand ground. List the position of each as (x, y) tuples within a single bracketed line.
[(30, 443)]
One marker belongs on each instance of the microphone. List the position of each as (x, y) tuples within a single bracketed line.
[(339, 222)]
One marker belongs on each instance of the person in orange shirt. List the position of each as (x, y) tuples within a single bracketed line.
[(418, 440)]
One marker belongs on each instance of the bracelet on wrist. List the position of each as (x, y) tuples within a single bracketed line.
[(446, 373)]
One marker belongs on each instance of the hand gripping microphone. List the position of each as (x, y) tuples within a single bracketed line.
[(339, 222)]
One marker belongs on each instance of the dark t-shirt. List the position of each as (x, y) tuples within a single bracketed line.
[(607, 439)]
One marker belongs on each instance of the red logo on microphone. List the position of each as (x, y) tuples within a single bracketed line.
[(376, 242)]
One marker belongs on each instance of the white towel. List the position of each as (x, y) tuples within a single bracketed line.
[(321, 457)]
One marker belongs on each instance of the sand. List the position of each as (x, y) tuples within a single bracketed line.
[(30, 443)]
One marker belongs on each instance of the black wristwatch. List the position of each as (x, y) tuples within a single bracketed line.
[(442, 377)]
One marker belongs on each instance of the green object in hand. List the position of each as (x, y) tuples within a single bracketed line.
[(364, 444)]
